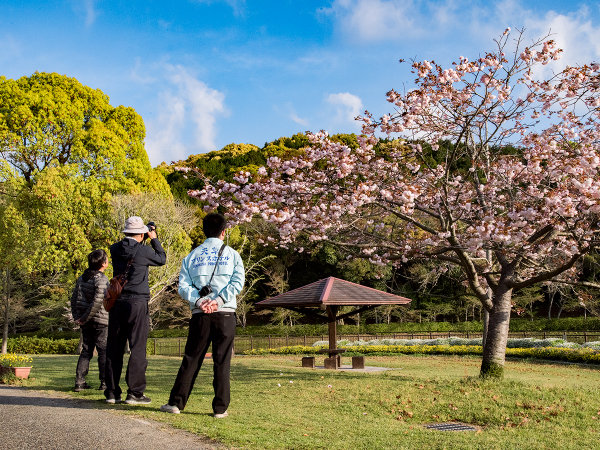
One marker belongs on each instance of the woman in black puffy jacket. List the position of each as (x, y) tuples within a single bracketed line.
[(88, 311)]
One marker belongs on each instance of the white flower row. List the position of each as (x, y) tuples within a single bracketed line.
[(512, 343)]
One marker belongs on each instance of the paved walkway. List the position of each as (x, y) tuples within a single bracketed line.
[(38, 420)]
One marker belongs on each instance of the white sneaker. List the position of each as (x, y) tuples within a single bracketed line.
[(221, 415), (170, 409)]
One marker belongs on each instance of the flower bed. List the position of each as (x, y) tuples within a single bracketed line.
[(579, 355), (15, 360), (455, 341)]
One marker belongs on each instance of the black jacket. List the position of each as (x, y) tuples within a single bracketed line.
[(87, 297), (137, 275)]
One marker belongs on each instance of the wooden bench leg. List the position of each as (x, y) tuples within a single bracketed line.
[(358, 362), (308, 361), (331, 363)]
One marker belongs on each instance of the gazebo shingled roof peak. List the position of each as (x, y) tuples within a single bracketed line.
[(333, 292)]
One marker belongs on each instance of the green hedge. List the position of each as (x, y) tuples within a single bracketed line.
[(516, 325), (171, 332), (69, 334), (34, 345), (566, 324)]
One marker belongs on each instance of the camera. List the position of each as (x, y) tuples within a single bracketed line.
[(151, 226), (205, 290)]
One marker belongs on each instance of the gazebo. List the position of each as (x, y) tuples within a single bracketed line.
[(330, 294)]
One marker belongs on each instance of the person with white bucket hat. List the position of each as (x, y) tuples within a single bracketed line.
[(129, 319)]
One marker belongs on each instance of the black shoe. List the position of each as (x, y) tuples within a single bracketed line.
[(135, 400), (81, 387), (102, 386)]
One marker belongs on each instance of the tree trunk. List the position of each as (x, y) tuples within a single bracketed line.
[(486, 321), (494, 349), (550, 306), (6, 304)]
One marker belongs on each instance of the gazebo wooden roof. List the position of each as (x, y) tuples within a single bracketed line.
[(331, 293)]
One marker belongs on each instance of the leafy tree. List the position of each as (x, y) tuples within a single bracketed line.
[(506, 220), (50, 120), (15, 240), (174, 219)]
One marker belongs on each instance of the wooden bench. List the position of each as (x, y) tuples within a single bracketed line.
[(334, 361), (358, 362), (308, 361)]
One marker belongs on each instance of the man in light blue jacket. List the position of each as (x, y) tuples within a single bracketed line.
[(211, 277)]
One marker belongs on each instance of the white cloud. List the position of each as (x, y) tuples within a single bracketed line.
[(347, 106), (86, 9), (374, 20), (298, 120), (468, 23), (90, 12), (291, 112), (188, 113), (574, 33), (164, 140)]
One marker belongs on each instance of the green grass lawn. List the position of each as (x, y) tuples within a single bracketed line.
[(278, 404)]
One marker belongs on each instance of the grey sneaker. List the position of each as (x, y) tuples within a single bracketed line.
[(111, 399), (135, 400), (220, 415), (170, 409)]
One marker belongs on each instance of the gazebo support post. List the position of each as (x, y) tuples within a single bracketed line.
[(333, 362)]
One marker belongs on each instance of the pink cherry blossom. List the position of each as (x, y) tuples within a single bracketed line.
[(508, 219)]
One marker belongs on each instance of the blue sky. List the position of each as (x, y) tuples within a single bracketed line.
[(206, 73)]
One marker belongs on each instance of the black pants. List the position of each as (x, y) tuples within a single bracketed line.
[(218, 328), (128, 321), (93, 336)]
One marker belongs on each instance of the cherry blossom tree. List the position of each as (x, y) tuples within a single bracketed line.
[(490, 165)]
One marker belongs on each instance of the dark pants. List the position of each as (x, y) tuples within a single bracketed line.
[(218, 328), (128, 321), (93, 335)]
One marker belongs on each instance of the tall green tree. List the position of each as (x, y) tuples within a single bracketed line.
[(50, 120), (14, 240)]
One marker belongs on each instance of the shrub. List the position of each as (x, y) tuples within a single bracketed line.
[(565, 324), (171, 332), (36, 345), (8, 377)]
